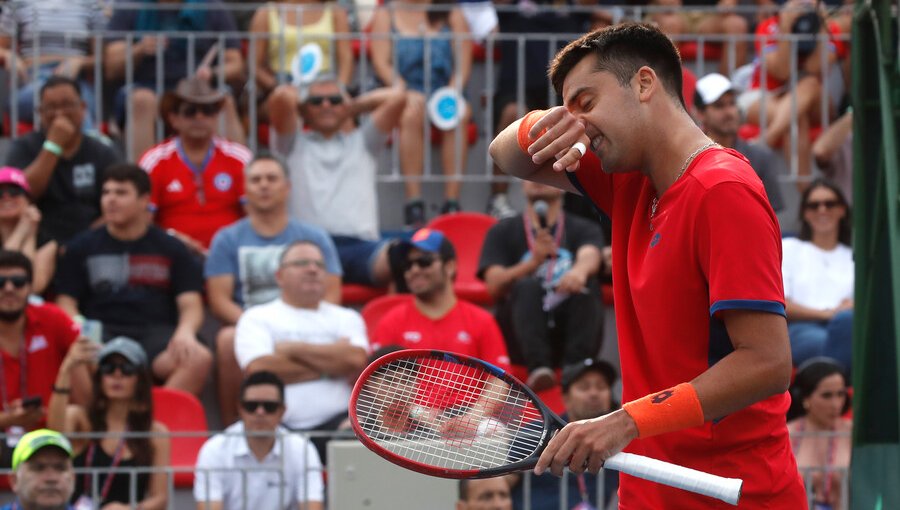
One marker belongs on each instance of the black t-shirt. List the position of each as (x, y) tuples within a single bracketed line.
[(128, 283), (72, 199), (506, 245)]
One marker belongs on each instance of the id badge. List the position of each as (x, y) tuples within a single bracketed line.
[(83, 503), (821, 506)]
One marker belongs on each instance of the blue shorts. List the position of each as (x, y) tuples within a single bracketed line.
[(358, 258)]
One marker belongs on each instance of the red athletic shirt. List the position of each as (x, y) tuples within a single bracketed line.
[(715, 245), (465, 329), (198, 211), (48, 334)]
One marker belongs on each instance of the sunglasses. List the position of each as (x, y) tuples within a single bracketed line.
[(423, 262), (269, 406), (190, 110), (815, 204), (318, 100), (11, 191), (18, 281), (304, 263), (126, 369)]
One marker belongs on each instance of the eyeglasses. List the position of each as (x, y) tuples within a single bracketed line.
[(423, 262), (269, 406), (814, 205), (318, 100), (18, 281), (190, 109), (11, 191), (304, 263), (125, 368)]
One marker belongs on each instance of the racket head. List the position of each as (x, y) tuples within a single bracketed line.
[(449, 415)]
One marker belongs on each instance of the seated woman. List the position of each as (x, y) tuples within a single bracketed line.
[(818, 277), (122, 403), (19, 221), (401, 32), (820, 435), (291, 24)]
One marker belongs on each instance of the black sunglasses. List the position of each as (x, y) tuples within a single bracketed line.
[(189, 110), (18, 281), (424, 262), (318, 100), (11, 191), (814, 205), (269, 406), (127, 369)]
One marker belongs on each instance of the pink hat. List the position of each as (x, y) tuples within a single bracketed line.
[(10, 175)]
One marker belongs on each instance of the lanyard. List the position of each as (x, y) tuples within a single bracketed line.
[(582, 489), (197, 171), (23, 374), (829, 456), (117, 458), (557, 240)]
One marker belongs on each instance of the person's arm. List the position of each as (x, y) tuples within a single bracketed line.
[(499, 279), (587, 264), (81, 354), (382, 48), (219, 291), (190, 318), (288, 370), (44, 266), (39, 172), (116, 52), (337, 359), (344, 48), (210, 505), (254, 349), (832, 139), (462, 49), (797, 312), (385, 105), (68, 304), (157, 497), (259, 27), (283, 110), (234, 66), (333, 288)]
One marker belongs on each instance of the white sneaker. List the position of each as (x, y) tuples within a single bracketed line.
[(499, 207)]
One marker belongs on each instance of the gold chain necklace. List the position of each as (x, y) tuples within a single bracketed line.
[(654, 204)]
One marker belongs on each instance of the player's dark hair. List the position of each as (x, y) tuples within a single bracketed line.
[(128, 172), (621, 50), (807, 379), (844, 232), (15, 259), (262, 378), (58, 80)]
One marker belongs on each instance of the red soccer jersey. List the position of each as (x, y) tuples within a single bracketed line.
[(766, 42), (715, 245), (49, 333), (197, 202)]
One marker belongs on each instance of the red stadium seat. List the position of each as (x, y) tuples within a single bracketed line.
[(466, 230), (353, 294), (379, 307), (181, 412)]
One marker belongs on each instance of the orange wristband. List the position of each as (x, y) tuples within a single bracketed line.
[(666, 411), (529, 120)]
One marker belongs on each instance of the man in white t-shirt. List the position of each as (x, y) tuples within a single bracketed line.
[(313, 345), (283, 470)]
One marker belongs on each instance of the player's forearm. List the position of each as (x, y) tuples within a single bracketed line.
[(327, 360), (509, 157)]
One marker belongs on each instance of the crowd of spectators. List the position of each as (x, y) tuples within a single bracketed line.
[(200, 227)]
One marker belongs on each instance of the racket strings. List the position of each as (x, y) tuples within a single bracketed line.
[(447, 415)]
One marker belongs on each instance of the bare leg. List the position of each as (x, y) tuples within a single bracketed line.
[(144, 105), (187, 373), (412, 143)]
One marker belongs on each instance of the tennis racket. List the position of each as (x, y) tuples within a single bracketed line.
[(454, 416)]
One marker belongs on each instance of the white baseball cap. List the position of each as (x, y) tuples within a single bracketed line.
[(711, 87)]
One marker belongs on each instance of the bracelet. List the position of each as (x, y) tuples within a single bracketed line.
[(666, 411), (52, 148), (529, 120), (61, 391)]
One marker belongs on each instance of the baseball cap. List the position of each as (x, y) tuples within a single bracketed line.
[(433, 241), (10, 175), (711, 87), (125, 347), (35, 440), (573, 372)]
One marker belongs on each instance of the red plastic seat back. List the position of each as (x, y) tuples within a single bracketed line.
[(180, 411), (466, 230)]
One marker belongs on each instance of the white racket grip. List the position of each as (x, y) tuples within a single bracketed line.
[(726, 489)]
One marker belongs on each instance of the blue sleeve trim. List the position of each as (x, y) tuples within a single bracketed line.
[(747, 304)]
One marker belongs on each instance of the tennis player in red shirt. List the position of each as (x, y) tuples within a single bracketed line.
[(696, 273)]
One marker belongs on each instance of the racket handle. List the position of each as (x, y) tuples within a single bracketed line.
[(725, 489)]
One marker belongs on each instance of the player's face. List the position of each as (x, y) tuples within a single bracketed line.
[(722, 117), (261, 408), (121, 203), (266, 187), (825, 404), (13, 293), (610, 112), (588, 397), (46, 480), (302, 273), (488, 494), (425, 273), (823, 211)]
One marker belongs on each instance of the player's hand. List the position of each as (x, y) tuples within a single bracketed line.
[(572, 281), (563, 131), (584, 445), (61, 130)]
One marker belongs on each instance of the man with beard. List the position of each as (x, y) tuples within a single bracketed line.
[(34, 339), (42, 474)]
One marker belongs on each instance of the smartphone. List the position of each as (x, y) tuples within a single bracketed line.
[(93, 330), (32, 402)]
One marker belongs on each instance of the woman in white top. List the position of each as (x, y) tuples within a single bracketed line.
[(818, 277)]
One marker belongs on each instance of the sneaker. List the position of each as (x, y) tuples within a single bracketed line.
[(540, 379), (499, 207), (450, 207), (414, 214)]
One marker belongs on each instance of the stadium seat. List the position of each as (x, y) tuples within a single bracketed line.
[(466, 230), (379, 307), (353, 294), (181, 412)]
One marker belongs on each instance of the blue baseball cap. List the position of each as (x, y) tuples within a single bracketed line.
[(432, 241)]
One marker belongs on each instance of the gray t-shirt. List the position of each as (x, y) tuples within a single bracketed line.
[(53, 27), (253, 259), (766, 164), (333, 179)]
